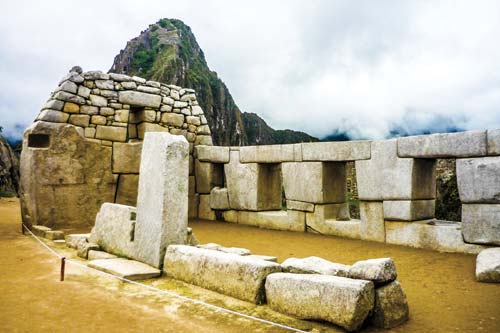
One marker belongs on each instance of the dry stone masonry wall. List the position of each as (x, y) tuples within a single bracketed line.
[(84, 147), (303, 187)]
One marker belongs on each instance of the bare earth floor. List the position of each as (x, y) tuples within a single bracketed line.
[(442, 293)]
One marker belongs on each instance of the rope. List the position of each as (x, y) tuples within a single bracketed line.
[(169, 293)]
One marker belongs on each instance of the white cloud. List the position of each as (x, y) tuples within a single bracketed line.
[(363, 67)]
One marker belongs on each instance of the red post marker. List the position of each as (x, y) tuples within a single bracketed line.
[(63, 264)]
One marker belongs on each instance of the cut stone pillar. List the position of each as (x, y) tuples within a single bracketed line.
[(387, 177), (372, 225), (316, 182), (252, 186), (162, 205)]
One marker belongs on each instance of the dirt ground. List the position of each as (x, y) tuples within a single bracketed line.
[(441, 290)]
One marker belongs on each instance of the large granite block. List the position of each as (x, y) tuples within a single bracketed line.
[(479, 179), (463, 144), (481, 223), (267, 154), (336, 151), (372, 226), (127, 269), (212, 154), (136, 98), (409, 210)]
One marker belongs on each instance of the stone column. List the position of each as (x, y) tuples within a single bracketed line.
[(162, 204)]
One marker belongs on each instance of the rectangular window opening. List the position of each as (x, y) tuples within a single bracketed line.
[(448, 204)]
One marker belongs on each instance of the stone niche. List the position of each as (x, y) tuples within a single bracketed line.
[(85, 145)]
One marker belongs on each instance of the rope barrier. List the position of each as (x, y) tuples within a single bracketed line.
[(162, 291)]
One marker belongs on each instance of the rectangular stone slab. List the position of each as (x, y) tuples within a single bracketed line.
[(124, 268), (463, 144), (336, 151), (267, 154), (212, 154), (338, 300), (136, 98), (230, 274), (409, 210), (479, 179), (481, 223)]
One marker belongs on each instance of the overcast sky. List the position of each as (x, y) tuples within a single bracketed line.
[(364, 67)]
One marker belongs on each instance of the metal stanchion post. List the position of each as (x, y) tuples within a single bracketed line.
[(63, 264)]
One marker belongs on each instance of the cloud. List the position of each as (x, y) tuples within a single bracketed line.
[(365, 68)]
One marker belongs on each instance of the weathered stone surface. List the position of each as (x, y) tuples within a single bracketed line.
[(162, 203), (391, 307), (82, 120), (136, 98), (208, 176), (95, 75), (53, 116), (126, 157), (445, 237), (409, 210), (98, 100), (481, 223), (68, 97), (54, 234), (488, 265), (321, 220), (111, 133), (203, 140), (204, 210), (336, 151), (74, 240), (172, 119), (127, 269), (380, 270), (71, 107), (478, 179), (299, 205), (290, 220), (194, 201), (387, 177), (68, 86), (263, 257), (235, 250), (266, 154), (342, 301), (219, 198), (316, 182), (126, 192), (114, 229), (372, 225), (493, 141), (230, 274), (98, 120), (314, 265), (230, 216), (212, 154), (84, 248), (463, 144), (105, 84), (54, 104), (95, 255), (210, 246), (143, 128), (39, 230)]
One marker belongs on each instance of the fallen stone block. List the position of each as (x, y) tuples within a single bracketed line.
[(391, 307), (39, 230), (314, 265), (267, 154), (74, 240), (462, 144), (95, 255), (213, 154), (338, 300), (380, 270), (336, 151), (230, 274), (478, 179), (84, 248), (488, 265), (481, 223), (409, 210), (124, 268)]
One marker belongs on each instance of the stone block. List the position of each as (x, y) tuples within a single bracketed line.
[(493, 142), (315, 182), (299, 205), (98, 100), (409, 210), (338, 300), (127, 269), (114, 229), (136, 98), (314, 265), (39, 230), (95, 255), (387, 177), (242, 277), (290, 220), (84, 248), (336, 151), (194, 201), (53, 116), (203, 140), (204, 210), (481, 223), (111, 133), (263, 257), (317, 221), (442, 237), (488, 265), (208, 176), (74, 240), (71, 107), (253, 186), (235, 250), (372, 225), (98, 120), (172, 119), (219, 198), (391, 307), (212, 154), (139, 116), (127, 157), (54, 234), (89, 109), (267, 154), (162, 203), (81, 120), (143, 128), (380, 270), (126, 192), (479, 179), (445, 145), (230, 216)]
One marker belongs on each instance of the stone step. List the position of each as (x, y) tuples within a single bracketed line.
[(124, 268)]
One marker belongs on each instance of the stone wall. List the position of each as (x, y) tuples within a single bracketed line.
[(84, 147), (396, 185)]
